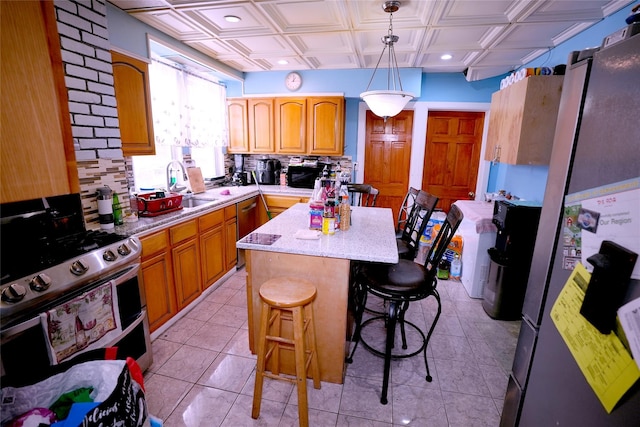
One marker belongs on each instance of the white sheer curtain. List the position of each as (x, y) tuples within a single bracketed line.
[(188, 110)]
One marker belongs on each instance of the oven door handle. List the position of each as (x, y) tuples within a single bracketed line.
[(141, 316), (129, 274), (7, 334)]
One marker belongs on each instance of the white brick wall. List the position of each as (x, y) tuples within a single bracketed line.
[(86, 57)]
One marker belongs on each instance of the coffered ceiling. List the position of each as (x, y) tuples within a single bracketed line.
[(485, 37)]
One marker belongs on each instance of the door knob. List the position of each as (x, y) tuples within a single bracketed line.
[(471, 195)]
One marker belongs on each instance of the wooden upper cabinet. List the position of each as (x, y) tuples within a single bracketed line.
[(37, 157), (325, 126), (523, 120), (291, 125), (287, 125), (261, 133), (133, 97), (238, 125)]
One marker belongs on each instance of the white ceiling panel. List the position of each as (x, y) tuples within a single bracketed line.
[(485, 37)]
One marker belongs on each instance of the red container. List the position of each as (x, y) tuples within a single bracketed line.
[(149, 204)]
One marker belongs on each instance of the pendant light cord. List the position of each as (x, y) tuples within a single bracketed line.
[(392, 70)]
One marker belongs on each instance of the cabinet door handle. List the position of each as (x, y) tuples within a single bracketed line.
[(496, 154)]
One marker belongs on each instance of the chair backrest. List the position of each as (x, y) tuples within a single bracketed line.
[(423, 206), (362, 194), (442, 240), (405, 208)]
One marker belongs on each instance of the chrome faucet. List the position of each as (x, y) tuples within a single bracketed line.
[(173, 186)]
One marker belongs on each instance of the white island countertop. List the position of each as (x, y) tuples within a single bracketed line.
[(371, 236)]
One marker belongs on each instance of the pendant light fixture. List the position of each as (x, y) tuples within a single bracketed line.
[(388, 103)]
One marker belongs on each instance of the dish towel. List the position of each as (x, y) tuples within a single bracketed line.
[(89, 321)]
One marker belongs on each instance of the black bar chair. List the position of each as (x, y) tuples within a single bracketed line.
[(398, 285), (362, 194), (423, 206), (405, 209)]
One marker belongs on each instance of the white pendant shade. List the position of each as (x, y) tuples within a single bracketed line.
[(386, 103)]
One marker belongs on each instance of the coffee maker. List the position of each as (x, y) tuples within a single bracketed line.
[(240, 176)]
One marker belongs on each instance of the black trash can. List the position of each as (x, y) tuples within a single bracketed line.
[(503, 294)]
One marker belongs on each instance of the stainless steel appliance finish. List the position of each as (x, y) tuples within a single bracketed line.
[(268, 171), (595, 144), (247, 216), (46, 263)]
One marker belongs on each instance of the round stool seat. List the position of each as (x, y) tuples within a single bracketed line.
[(287, 292)]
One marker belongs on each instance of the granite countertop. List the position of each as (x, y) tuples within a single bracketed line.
[(216, 198), (371, 236)]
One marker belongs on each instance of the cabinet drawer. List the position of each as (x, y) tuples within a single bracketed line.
[(210, 220), (282, 201), (154, 243), (183, 231), (229, 212)]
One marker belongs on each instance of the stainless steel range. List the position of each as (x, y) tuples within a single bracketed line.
[(65, 290)]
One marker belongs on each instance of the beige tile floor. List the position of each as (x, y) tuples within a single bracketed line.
[(203, 371)]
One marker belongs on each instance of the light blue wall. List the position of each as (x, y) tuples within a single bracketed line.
[(348, 82), (529, 182), (454, 87), (524, 181)]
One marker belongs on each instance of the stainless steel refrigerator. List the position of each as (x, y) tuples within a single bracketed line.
[(597, 142)]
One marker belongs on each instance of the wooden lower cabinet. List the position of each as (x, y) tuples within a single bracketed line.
[(186, 272), (185, 253), (277, 205), (157, 278), (180, 262), (212, 242)]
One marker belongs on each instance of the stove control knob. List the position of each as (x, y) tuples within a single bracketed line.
[(79, 267), (108, 255), (40, 283), (13, 293), (124, 250)]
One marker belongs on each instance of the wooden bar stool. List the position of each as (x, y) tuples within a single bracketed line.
[(287, 298)]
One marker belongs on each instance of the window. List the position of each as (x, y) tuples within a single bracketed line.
[(189, 122)]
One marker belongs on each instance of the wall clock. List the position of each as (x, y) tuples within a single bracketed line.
[(293, 81)]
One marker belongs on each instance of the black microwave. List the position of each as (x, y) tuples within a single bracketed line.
[(303, 176)]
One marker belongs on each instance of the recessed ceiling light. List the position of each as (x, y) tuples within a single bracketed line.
[(232, 18), (446, 56), (283, 62)]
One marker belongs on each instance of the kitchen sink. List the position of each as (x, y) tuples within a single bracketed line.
[(192, 202)]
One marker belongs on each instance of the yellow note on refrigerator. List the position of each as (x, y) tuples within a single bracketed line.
[(604, 361)]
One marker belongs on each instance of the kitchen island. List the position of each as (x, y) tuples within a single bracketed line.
[(283, 247)]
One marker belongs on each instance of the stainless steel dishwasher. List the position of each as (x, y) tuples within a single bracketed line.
[(247, 214)]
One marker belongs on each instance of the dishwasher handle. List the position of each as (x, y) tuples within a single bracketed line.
[(252, 206)]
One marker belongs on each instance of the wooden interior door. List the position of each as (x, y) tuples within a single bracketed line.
[(452, 155), (387, 157)]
